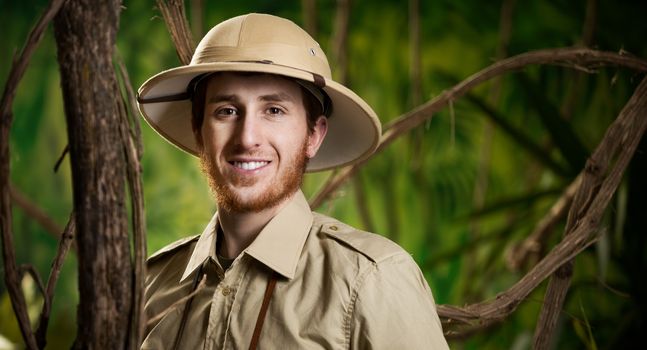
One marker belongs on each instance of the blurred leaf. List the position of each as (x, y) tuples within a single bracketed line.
[(559, 129), (6, 344), (8, 323), (518, 136), (512, 202), (583, 330)]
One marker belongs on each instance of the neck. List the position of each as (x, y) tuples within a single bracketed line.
[(240, 229)]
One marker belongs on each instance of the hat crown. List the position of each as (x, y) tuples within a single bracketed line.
[(262, 38)]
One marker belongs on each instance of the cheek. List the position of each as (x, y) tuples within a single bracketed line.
[(214, 138), (211, 148)]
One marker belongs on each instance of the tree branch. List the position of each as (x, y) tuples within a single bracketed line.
[(578, 79), (66, 241), (175, 17), (197, 17), (415, 65), (29, 269), (362, 207), (340, 39), (61, 157), (576, 58), (332, 184), (594, 194), (33, 211), (533, 245), (309, 15), (131, 139), (619, 144), (458, 320), (485, 150), (16, 73)]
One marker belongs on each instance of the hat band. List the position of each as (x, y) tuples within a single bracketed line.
[(297, 57), (185, 95), (315, 89), (318, 94)]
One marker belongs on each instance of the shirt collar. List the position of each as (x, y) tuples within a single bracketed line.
[(278, 245), (204, 249)]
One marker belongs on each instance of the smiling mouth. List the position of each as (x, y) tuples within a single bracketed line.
[(250, 165)]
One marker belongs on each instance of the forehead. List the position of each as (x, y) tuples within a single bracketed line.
[(259, 84)]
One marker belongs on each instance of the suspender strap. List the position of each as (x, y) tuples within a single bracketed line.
[(185, 312), (271, 283)]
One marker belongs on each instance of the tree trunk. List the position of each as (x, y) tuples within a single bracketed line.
[(85, 33)]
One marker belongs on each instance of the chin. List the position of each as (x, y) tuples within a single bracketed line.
[(250, 199)]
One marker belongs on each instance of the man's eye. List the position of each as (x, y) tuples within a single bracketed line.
[(226, 111), (274, 110)]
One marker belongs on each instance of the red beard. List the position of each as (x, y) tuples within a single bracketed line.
[(287, 182)]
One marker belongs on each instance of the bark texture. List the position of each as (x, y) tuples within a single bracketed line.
[(600, 179), (85, 33)]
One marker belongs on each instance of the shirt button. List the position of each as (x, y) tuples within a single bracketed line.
[(226, 290)]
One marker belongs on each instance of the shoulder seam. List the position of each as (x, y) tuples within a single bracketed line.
[(375, 258), (171, 247)]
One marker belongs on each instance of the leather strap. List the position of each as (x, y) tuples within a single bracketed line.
[(185, 95), (269, 290), (185, 312), (319, 80), (271, 283)]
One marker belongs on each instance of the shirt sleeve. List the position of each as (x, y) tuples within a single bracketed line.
[(394, 309)]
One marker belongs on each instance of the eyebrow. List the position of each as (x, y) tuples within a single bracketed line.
[(223, 98), (277, 97)]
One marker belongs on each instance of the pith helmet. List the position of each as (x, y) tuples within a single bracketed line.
[(265, 44)]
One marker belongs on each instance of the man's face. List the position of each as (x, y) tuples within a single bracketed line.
[(255, 140)]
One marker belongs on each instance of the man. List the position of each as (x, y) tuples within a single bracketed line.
[(258, 106)]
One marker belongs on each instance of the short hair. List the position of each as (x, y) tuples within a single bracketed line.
[(312, 106)]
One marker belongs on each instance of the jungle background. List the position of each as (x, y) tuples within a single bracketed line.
[(460, 193)]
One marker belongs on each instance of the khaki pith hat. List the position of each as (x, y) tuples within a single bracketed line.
[(265, 44)]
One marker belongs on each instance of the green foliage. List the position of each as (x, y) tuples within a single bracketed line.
[(421, 190)]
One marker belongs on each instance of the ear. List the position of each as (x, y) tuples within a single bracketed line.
[(316, 137)]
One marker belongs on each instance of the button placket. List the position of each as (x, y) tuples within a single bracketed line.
[(234, 281), (218, 309), (222, 301), (226, 290)]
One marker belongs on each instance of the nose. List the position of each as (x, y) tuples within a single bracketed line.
[(248, 132)]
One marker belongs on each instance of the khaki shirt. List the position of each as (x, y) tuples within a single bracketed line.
[(338, 288)]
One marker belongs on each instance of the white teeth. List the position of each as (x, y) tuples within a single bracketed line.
[(250, 165)]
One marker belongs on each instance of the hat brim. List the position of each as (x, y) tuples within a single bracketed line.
[(353, 127)]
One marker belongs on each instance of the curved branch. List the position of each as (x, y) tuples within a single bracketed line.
[(576, 58), (31, 271), (619, 144), (534, 244), (457, 320), (33, 211), (67, 240), (593, 196), (16, 73), (20, 65)]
